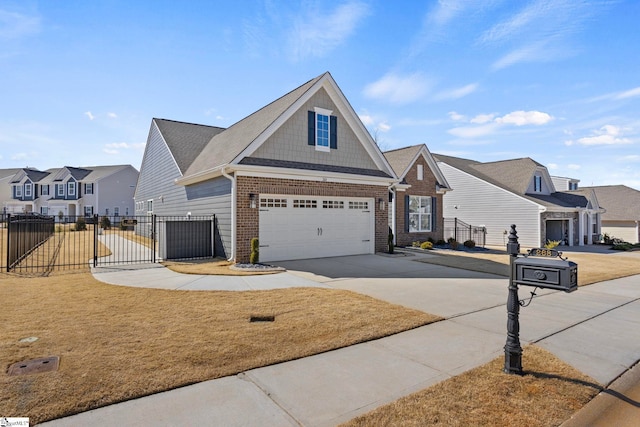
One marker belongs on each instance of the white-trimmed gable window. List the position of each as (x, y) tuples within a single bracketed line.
[(573, 186), (27, 189), (537, 184), (71, 188), (59, 190), (18, 190), (420, 172), (323, 129)]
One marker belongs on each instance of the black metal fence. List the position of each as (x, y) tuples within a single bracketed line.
[(36, 244), (461, 231)]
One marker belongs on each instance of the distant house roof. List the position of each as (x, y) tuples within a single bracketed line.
[(186, 140), (85, 173), (34, 175), (4, 173), (515, 176), (621, 202)]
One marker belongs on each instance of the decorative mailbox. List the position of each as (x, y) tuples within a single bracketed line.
[(540, 269)]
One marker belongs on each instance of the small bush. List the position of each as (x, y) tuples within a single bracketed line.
[(430, 239), (441, 242), (453, 244), (551, 244), (254, 258), (469, 244), (81, 224), (426, 245), (416, 244), (105, 222)]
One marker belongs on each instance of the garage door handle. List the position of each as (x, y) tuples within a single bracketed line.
[(366, 240), (319, 231), (264, 246)]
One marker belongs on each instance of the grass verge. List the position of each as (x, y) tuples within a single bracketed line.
[(592, 268), (117, 343), (547, 395)]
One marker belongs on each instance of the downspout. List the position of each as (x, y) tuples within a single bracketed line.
[(392, 190), (233, 212)]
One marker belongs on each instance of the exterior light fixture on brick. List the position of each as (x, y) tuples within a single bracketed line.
[(253, 200)]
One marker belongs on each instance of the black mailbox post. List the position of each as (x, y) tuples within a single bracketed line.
[(542, 268)]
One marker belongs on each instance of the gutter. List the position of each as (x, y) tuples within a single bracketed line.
[(233, 212)]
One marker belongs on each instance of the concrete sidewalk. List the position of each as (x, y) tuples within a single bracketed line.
[(593, 329)]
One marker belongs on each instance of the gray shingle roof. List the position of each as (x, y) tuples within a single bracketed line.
[(311, 166), (5, 173), (227, 145), (515, 176), (401, 158), (186, 140), (621, 202)]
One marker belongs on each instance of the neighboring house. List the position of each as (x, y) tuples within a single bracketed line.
[(416, 214), (71, 191), (521, 192), (302, 174), (622, 218), (6, 190)]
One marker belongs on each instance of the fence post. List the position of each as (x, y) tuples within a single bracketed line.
[(213, 235), (8, 239), (455, 229), (153, 238), (95, 240)]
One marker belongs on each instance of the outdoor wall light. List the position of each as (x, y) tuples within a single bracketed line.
[(381, 203), (253, 200)]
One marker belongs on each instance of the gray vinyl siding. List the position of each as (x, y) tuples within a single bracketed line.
[(290, 141), (479, 203), (156, 182), (114, 191)]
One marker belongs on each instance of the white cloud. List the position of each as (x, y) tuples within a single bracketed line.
[(482, 118), (398, 89), (474, 131), (631, 158), (521, 118), (384, 127), (552, 166), (373, 123), (112, 115), (315, 34), (89, 115), (573, 167), (367, 120), (606, 135), (458, 93), (15, 25), (455, 116), (629, 93), (116, 147)]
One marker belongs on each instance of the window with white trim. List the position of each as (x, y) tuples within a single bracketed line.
[(18, 190), (149, 206), (71, 188), (44, 210), (420, 172), (88, 188), (44, 190), (88, 211), (537, 183), (59, 190), (419, 214), (322, 129), (27, 189), (116, 211)]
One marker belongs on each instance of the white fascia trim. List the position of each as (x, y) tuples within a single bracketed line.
[(302, 175)]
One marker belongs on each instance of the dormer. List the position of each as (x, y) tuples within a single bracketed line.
[(540, 183), (562, 183)]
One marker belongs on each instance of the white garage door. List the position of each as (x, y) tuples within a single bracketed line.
[(299, 227)]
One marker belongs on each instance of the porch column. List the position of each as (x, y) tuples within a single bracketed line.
[(570, 221), (580, 228), (590, 228)]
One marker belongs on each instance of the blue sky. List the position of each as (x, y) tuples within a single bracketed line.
[(554, 80)]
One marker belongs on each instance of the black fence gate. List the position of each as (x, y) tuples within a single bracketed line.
[(461, 231), (37, 244)]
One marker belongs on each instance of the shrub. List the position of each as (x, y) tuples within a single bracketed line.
[(416, 244), (551, 244), (105, 222), (81, 224), (469, 244), (453, 244), (426, 245), (254, 258), (430, 239), (441, 242)]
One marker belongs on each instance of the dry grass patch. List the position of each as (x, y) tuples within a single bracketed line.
[(549, 393), (117, 343), (592, 268)]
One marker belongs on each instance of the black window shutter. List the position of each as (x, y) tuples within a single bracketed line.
[(312, 128), (406, 214), (333, 132), (434, 213)]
